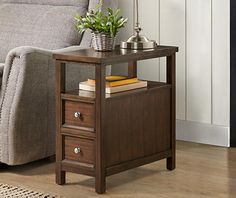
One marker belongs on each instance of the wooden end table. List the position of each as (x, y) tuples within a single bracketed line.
[(100, 135)]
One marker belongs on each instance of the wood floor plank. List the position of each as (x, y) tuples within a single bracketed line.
[(202, 171)]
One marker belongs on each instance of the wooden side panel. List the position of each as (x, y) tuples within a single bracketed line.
[(137, 126)]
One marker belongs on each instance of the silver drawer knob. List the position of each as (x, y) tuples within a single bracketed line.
[(77, 115), (77, 150)]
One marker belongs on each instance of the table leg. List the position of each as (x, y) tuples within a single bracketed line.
[(60, 88), (100, 178), (171, 79), (132, 69)]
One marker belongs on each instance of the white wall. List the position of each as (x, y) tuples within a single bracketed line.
[(201, 30)]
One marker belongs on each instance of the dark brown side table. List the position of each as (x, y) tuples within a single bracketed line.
[(100, 135)]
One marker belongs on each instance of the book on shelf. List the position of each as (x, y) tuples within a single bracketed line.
[(115, 84)]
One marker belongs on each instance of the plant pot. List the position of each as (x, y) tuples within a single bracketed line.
[(103, 42)]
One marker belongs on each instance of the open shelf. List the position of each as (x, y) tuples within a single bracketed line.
[(89, 96)]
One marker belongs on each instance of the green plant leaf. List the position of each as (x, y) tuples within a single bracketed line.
[(98, 21)]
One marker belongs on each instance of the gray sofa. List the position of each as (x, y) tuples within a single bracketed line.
[(30, 32)]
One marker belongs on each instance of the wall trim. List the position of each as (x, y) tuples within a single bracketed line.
[(203, 133)]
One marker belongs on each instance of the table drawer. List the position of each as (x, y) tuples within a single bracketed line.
[(79, 114), (79, 149)]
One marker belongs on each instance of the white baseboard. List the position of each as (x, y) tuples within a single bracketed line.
[(203, 133)]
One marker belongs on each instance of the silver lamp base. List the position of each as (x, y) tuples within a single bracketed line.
[(138, 42)]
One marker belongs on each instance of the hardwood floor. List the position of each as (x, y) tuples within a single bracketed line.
[(202, 171)]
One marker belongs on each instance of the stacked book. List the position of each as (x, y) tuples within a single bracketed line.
[(115, 84)]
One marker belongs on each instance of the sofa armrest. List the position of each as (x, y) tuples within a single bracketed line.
[(27, 104)]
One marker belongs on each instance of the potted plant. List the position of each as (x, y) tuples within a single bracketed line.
[(104, 27)]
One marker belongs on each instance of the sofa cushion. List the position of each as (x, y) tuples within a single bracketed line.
[(40, 25)]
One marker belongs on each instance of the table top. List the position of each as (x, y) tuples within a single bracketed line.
[(116, 56)]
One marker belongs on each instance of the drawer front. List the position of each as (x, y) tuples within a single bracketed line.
[(79, 149), (79, 114)]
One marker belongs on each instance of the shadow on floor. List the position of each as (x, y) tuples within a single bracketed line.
[(121, 178), (40, 167)]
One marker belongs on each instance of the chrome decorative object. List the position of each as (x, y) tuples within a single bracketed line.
[(137, 41)]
